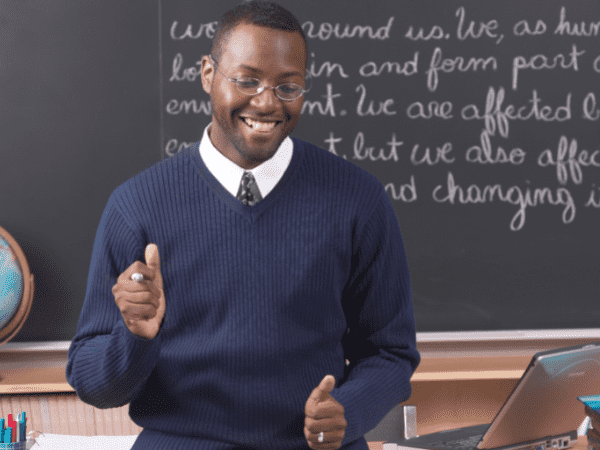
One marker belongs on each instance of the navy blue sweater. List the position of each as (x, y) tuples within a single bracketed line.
[(261, 303)]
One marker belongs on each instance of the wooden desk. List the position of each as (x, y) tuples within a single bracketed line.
[(459, 383)]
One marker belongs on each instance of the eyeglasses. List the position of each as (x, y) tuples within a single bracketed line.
[(253, 86)]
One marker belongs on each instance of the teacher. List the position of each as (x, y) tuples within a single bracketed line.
[(272, 309)]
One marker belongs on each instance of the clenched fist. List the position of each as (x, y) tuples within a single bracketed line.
[(325, 415), (142, 303)]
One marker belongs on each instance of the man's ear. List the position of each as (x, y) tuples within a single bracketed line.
[(207, 72)]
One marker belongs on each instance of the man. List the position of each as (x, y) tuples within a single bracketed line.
[(273, 306)]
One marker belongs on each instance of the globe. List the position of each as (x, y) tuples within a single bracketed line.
[(11, 283), (16, 287)]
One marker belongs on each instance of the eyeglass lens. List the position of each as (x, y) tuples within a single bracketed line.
[(253, 86)]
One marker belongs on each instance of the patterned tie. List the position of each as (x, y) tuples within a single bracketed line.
[(248, 192)]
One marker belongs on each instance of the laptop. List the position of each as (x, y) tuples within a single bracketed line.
[(541, 413)]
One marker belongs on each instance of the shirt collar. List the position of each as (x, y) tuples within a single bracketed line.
[(229, 174)]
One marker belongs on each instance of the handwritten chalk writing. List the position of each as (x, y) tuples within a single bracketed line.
[(569, 160), (327, 30), (441, 155), (206, 29), (565, 27), (539, 62), (436, 32), (590, 111), (332, 141), (404, 189), (522, 28), (483, 154), (370, 68), (373, 110), (450, 65), (592, 199), (514, 195), (597, 65), (361, 152), (327, 66), (328, 109), (175, 107), (496, 117), (487, 28), (189, 74), (173, 146), (417, 110)]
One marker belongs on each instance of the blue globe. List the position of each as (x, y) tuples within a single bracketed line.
[(11, 283)]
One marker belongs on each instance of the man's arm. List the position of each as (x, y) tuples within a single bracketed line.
[(107, 363), (381, 343)]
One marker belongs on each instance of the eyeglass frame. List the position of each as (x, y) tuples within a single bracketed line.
[(262, 86)]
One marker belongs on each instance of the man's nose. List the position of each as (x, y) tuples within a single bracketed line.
[(267, 98)]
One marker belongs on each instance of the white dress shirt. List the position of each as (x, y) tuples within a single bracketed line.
[(229, 174)]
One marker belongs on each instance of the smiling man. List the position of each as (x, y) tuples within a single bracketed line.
[(252, 291), (249, 128)]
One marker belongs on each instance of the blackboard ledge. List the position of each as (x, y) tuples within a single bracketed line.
[(445, 357), (509, 335)]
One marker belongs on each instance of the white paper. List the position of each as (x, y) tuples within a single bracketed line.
[(49, 441)]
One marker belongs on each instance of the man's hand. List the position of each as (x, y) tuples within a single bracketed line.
[(142, 303), (324, 415)]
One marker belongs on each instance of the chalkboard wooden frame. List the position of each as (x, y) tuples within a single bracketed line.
[(13, 327)]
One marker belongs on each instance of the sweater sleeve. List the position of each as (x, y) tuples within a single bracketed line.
[(107, 364), (381, 341)]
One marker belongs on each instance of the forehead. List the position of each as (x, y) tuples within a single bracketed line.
[(264, 48)]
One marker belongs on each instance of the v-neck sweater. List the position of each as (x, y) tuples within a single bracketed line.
[(262, 302)]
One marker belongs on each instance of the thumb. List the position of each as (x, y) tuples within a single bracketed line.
[(324, 388), (152, 257)]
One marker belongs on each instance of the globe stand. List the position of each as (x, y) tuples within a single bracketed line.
[(16, 322)]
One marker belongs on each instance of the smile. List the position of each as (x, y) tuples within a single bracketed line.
[(259, 125)]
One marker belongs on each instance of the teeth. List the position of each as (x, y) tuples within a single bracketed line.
[(260, 126)]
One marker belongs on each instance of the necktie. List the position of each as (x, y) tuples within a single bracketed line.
[(248, 192)]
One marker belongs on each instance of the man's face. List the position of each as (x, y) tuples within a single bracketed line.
[(274, 57)]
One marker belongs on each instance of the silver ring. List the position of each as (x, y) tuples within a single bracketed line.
[(321, 437), (137, 277)]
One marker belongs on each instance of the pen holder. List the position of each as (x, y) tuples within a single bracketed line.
[(25, 445)]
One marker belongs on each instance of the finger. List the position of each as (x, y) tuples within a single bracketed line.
[(331, 439), (325, 445), (334, 424), (137, 267), (325, 410), (328, 436), (138, 298), (137, 286), (152, 257), (321, 392), (138, 312)]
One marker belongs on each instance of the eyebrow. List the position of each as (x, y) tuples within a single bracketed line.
[(293, 73)]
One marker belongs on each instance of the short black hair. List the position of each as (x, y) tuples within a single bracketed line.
[(255, 12)]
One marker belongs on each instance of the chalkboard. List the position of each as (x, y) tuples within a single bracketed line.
[(481, 119)]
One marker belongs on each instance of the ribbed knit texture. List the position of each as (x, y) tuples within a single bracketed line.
[(258, 303)]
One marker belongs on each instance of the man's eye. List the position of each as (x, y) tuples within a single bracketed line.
[(289, 88), (248, 83)]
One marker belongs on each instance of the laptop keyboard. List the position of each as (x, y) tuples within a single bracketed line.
[(459, 444)]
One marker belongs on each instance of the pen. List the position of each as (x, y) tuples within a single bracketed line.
[(12, 426), (23, 427)]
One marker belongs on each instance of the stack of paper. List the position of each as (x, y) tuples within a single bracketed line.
[(49, 441)]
